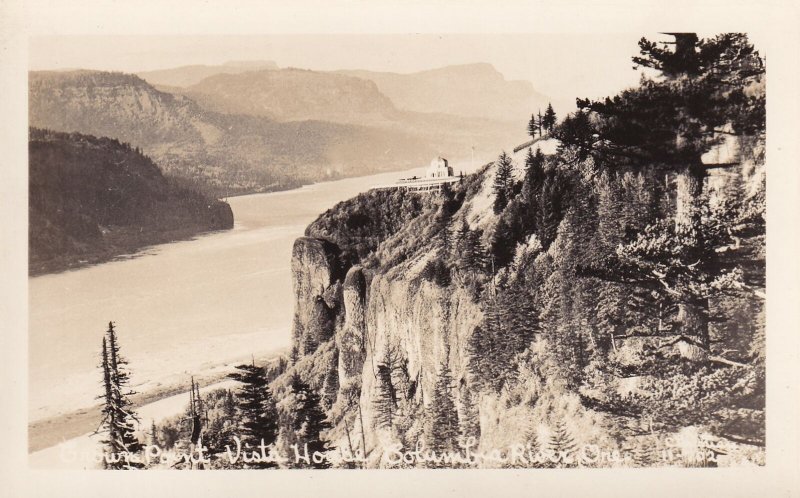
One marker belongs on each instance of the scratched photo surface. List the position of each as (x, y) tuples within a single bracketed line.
[(396, 251)]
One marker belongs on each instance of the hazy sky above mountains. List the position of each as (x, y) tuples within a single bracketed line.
[(561, 66)]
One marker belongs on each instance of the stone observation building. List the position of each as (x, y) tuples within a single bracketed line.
[(438, 173)]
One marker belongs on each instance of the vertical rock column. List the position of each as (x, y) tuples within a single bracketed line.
[(314, 267), (350, 338)]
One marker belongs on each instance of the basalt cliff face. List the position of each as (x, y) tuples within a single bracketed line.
[(370, 315)]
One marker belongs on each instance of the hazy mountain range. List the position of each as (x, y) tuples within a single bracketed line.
[(471, 90), (189, 75), (249, 126)]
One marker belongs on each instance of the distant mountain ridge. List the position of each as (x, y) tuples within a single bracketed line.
[(476, 90), (294, 95), (193, 74), (221, 153), (252, 127), (299, 94)]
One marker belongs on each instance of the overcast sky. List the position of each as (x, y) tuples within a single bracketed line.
[(562, 66)]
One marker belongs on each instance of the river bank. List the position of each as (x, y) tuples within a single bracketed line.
[(51, 431)]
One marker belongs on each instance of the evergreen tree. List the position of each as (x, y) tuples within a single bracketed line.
[(503, 243), (229, 405), (119, 418), (258, 415), (443, 428), (534, 449), (576, 131), (549, 119), (563, 444), (473, 255), (533, 126), (707, 84), (330, 385), (153, 434), (437, 271), (645, 453), (469, 418), (444, 218), (683, 60), (446, 237), (503, 182), (509, 325), (540, 123), (550, 209), (386, 399), (534, 175), (308, 422)]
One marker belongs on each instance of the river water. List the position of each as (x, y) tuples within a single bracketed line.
[(179, 308)]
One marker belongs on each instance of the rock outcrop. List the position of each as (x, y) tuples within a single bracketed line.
[(315, 271), (370, 315), (425, 326), (350, 339)]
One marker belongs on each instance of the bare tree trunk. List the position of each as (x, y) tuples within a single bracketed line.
[(363, 437), (349, 442)]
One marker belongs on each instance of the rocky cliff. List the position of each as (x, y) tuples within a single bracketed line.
[(371, 315)]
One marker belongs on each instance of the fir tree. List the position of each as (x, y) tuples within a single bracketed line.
[(645, 453), (534, 175), (258, 415), (509, 325), (563, 445), (229, 405), (469, 418), (533, 126), (119, 419), (446, 237), (540, 123), (474, 256), (549, 119), (443, 428), (308, 422), (153, 434), (503, 182), (550, 209), (503, 243), (330, 385), (534, 448), (470, 249), (386, 400)]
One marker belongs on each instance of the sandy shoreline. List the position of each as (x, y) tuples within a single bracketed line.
[(51, 431)]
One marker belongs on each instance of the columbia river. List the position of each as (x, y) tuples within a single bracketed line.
[(180, 309)]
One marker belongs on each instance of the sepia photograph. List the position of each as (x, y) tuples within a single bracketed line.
[(400, 251)]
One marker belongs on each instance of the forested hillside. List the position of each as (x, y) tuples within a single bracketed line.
[(91, 199)]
